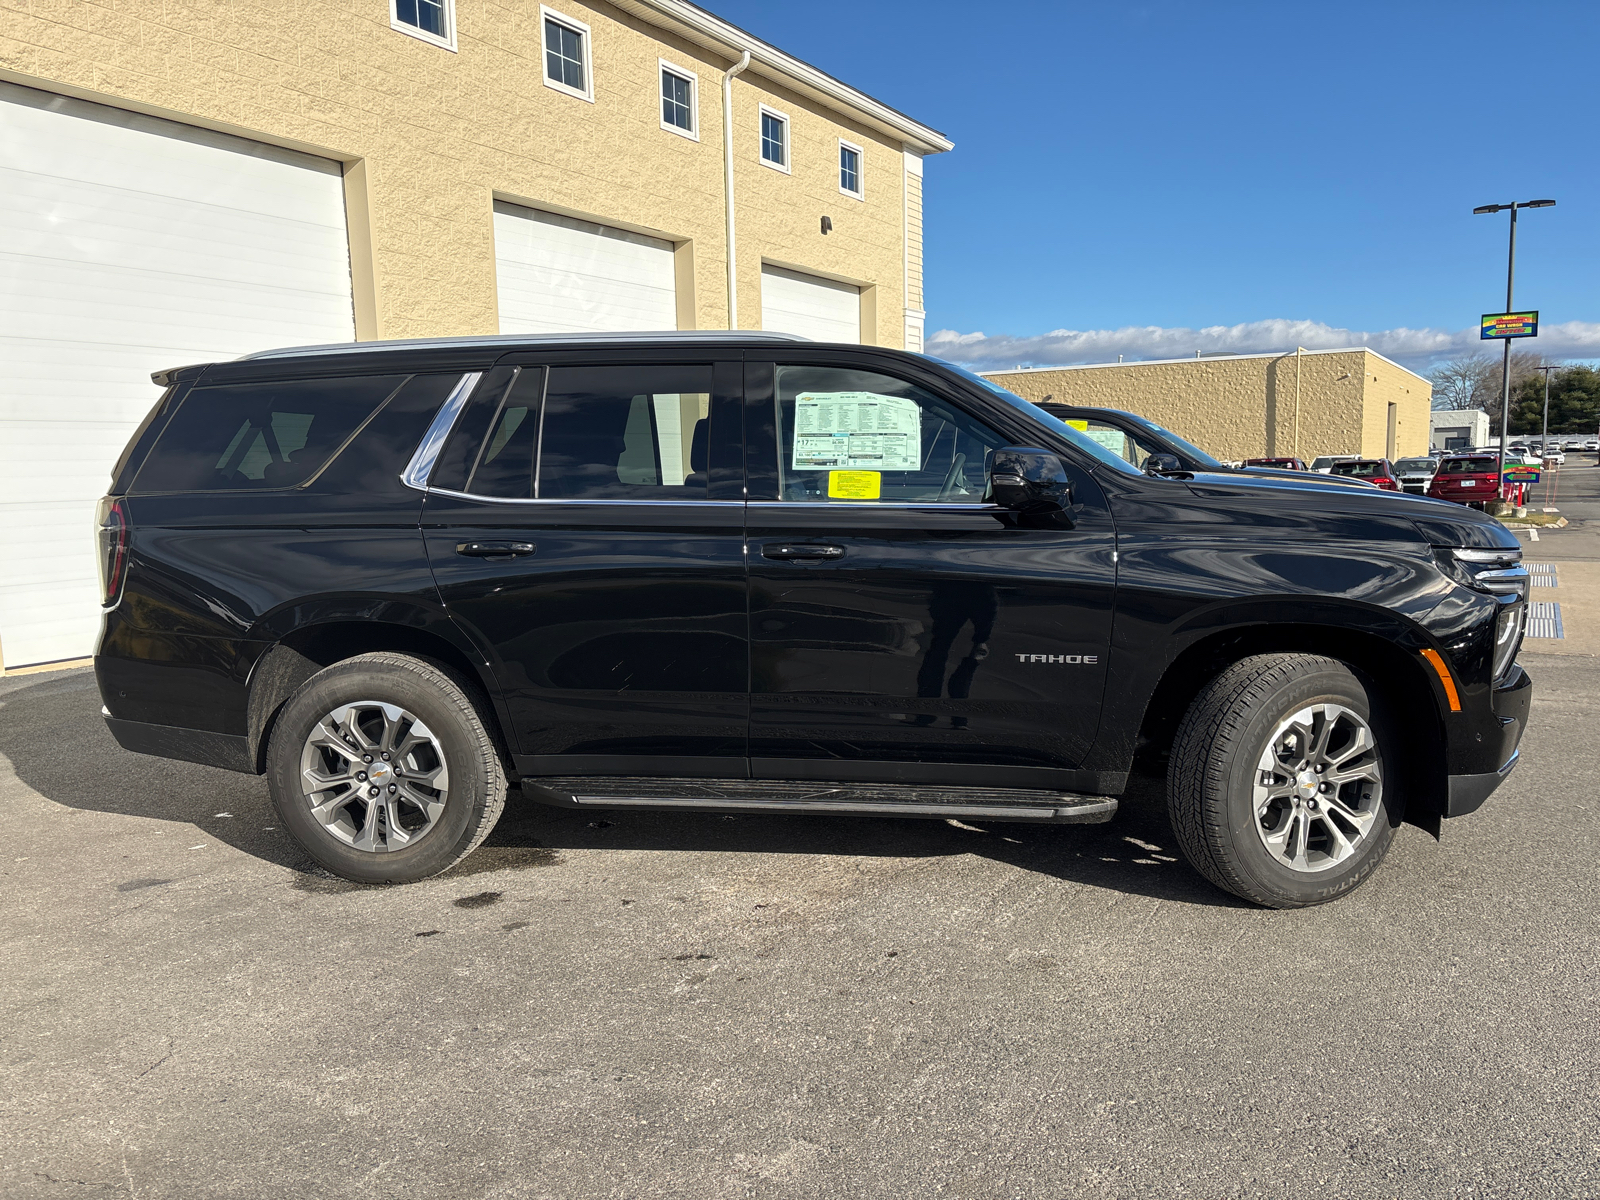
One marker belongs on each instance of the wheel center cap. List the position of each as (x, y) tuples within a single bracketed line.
[(1307, 779), (379, 772)]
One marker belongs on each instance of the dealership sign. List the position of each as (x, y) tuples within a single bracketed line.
[(1508, 325)]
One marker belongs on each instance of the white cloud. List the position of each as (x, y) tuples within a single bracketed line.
[(1414, 348)]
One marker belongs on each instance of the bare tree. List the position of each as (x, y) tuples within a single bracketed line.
[(1473, 380), (1463, 382)]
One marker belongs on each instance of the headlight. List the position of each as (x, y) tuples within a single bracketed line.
[(1501, 574), (1508, 635), (1497, 571)]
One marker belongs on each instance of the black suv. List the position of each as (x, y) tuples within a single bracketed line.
[(750, 573), (1136, 438)]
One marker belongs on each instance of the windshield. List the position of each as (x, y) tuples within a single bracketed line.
[(1327, 460), (1415, 464), (1088, 445)]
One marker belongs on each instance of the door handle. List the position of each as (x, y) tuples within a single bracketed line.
[(790, 551), (495, 549)]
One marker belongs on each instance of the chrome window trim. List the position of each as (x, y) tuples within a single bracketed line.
[(926, 505), (421, 465), (580, 500)]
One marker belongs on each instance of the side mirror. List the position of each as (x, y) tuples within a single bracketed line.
[(1164, 464), (1029, 481)]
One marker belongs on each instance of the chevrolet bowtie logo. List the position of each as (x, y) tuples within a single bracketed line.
[(1058, 658)]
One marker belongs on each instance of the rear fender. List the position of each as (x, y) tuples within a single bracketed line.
[(305, 638)]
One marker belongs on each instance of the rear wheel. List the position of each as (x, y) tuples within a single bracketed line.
[(1276, 787), (381, 768)]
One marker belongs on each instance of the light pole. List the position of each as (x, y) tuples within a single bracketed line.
[(1544, 439), (1511, 267)]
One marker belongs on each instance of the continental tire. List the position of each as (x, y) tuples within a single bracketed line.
[(1276, 784), (381, 768)]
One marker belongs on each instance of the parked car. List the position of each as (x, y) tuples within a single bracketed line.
[(1135, 438), (1415, 474), (1591, 444), (1324, 463), (1471, 479), (1376, 471), (1555, 456), (1281, 464), (751, 574)]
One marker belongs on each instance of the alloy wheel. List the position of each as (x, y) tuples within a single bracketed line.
[(1319, 788), (374, 776)]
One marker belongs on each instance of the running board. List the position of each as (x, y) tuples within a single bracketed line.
[(766, 796)]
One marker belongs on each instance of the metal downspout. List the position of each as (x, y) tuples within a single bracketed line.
[(727, 168)]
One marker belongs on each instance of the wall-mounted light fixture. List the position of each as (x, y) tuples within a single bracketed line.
[(827, 225)]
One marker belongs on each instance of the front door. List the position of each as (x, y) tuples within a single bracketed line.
[(578, 532), (901, 627)]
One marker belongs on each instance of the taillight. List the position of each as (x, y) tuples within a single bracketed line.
[(112, 530)]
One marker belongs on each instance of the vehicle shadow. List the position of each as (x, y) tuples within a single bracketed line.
[(51, 731)]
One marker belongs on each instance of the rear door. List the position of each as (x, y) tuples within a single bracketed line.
[(902, 627), (585, 527)]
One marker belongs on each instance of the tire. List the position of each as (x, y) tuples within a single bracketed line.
[(439, 794), (1278, 844)]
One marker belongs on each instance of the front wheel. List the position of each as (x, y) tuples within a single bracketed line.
[(381, 768), (1276, 787)]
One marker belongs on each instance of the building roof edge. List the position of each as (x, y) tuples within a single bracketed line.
[(724, 33), (1163, 362)]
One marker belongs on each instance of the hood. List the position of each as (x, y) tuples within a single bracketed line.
[(1308, 477), (1437, 522)]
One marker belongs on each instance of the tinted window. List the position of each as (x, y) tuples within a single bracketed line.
[(611, 433), (1414, 466), (257, 436), (857, 436), (1469, 466), (1361, 470)]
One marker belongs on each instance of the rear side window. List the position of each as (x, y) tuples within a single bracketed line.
[(602, 433), (260, 436)]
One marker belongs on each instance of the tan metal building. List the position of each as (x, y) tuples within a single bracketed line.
[(1256, 405), (197, 180)]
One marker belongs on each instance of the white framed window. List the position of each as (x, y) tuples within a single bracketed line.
[(568, 65), (680, 100), (433, 21), (851, 159), (775, 139)]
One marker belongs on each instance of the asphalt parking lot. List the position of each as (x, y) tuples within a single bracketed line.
[(636, 1005)]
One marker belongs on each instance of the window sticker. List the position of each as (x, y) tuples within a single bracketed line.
[(854, 485), (1113, 440), (845, 430), (1080, 426)]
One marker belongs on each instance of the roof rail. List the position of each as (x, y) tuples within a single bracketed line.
[(510, 340)]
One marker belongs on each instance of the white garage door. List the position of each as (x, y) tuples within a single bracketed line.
[(130, 244), (561, 275), (820, 309)]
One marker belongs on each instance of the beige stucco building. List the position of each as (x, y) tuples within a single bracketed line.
[(1256, 405), (428, 131), (194, 181)]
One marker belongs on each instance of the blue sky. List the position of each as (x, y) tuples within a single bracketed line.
[(1138, 173)]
